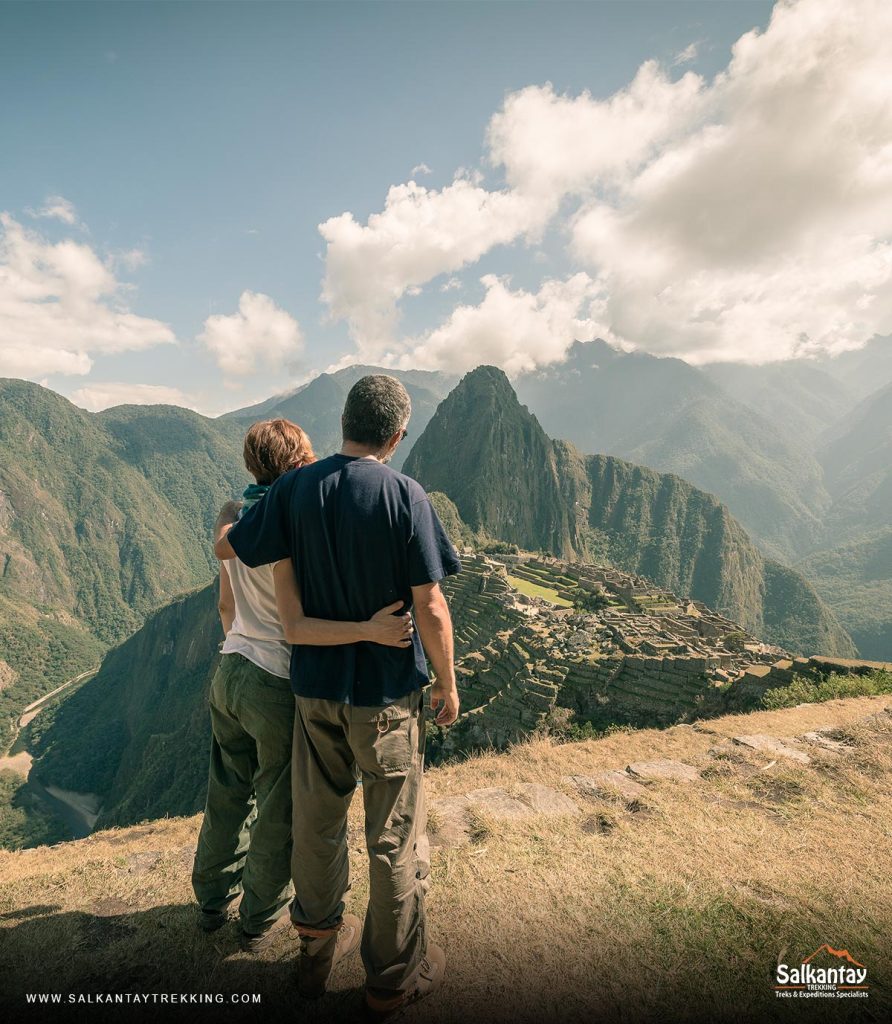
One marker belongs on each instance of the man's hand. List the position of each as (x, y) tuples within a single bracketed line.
[(225, 520), (444, 696), (435, 629), (388, 629)]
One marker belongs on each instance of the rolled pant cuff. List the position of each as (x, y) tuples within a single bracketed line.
[(307, 932)]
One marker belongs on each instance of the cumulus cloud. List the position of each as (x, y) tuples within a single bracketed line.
[(61, 304), (517, 330), (259, 334), (105, 394), (764, 231), (420, 234), (421, 169), (552, 145), (744, 217)]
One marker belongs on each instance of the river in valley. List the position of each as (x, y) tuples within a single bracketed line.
[(77, 810)]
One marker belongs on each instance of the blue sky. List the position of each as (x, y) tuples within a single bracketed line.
[(214, 138)]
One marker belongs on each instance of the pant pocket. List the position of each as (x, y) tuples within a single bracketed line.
[(394, 734)]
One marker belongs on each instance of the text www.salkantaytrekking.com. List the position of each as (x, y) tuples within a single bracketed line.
[(141, 998)]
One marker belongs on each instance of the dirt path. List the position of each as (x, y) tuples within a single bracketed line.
[(17, 758)]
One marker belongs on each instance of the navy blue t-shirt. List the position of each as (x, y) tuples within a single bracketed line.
[(361, 536)]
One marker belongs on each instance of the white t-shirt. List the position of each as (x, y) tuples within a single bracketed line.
[(256, 632)]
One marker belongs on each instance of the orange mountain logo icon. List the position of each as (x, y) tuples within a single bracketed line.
[(842, 954)]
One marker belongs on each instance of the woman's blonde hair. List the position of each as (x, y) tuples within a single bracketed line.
[(272, 447)]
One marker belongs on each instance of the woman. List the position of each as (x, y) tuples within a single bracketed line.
[(245, 842)]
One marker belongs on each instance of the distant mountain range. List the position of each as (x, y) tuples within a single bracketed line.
[(317, 405), (799, 451), (490, 455)]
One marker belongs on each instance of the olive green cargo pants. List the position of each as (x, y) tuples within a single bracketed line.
[(386, 744), (245, 841)]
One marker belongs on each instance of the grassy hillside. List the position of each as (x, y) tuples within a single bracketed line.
[(489, 454), (317, 406), (103, 518), (671, 906)]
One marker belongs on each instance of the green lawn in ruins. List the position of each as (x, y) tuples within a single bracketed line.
[(534, 590)]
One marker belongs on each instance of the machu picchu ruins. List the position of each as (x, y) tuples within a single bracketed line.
[(541, 641)]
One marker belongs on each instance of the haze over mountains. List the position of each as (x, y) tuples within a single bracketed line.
[(666, 414)]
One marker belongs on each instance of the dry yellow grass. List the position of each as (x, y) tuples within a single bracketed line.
[(676, 911)]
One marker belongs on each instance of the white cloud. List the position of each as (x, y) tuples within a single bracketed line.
[(259, 334), (60, 305), (517, 330), (105, 394), (686, 55), (553, 145), (451, 284), (129, 259), (421, 169), (764, 231), (57, 208), (420, 234), (746, 217)]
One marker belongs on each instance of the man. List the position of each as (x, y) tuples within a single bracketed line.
[(361, 536), (245, 842)]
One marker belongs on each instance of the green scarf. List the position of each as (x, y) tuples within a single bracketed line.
[(251, 495)]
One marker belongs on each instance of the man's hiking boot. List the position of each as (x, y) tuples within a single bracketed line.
[(250, 942), (212, 920), (319, 956), (427, 981)]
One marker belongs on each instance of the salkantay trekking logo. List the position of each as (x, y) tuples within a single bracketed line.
[(844, 978)]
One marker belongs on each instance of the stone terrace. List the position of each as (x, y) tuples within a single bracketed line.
[(643, 656)]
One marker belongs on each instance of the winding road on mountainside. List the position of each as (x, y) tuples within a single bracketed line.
[(77, 810)]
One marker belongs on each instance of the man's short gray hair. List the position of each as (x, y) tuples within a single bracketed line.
[(376, 408)]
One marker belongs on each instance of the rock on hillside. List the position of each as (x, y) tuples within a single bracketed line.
[(490, 455)]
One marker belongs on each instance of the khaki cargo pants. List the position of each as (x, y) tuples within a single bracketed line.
[(245, 841), (386, 744)]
